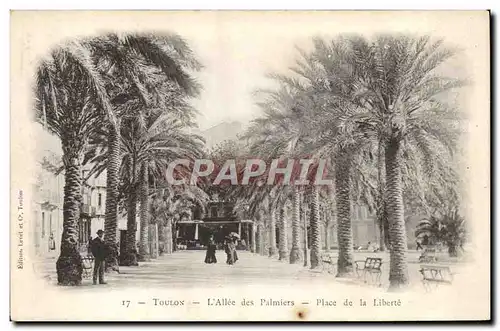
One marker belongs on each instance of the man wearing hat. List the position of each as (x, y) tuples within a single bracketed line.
[(99, 252)]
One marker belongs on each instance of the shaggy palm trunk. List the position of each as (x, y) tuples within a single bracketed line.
[(69, 264), (344, 230), (153, 240), (304, 222), (253, 247), (272, 233), (381, 214), (144, 195), (327, 233), (174, 236), (283, 242), (398, 274), (295, 254), (112, 178), (169, 243), (262, 237), (161, 238), (315, 229), (129, 257)]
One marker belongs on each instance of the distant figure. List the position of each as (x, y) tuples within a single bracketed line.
[(99, 251), (89, 246), (52, 242), (211, 248), (419, 246)]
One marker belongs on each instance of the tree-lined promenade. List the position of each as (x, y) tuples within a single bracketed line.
[(376, 112)]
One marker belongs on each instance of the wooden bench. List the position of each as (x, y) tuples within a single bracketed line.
[(371, 266), (429, 255), (87, 265), (435, 275), (328, 262)]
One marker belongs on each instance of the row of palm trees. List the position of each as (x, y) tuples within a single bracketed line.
[(375, 109), (119, 102), (379, 111)]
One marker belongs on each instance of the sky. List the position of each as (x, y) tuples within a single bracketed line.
[(237, 49)]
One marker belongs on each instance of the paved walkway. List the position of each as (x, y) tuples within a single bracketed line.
[(187, 269)]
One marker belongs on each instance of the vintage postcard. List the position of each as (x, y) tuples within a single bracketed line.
[(250, 166)]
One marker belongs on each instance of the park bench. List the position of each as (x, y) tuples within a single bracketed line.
[(428, 256), (371, 266), (435, 275), (328, 262), (87, 264)]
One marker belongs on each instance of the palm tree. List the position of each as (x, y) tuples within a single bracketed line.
[(401, 100), (149, 143), (448, 228), (129, 57), (315, 228), (69, 95)]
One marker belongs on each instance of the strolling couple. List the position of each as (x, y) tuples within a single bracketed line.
[(229, 248)]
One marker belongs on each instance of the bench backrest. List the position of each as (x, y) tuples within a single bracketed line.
[(436, 272), (373, 263)]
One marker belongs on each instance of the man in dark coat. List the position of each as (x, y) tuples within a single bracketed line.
[(99, 251)]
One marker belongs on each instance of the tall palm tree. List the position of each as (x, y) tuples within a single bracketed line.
[(402, 96), (149, 141), (129, 56), (69, 97)]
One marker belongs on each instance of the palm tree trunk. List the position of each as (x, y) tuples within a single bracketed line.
[(304, 222), (295, 254), (169, 237), (254, 238), (161, 237), (344, 230), (129, 257), (262, 236), (398, 274), (144, 195), (153, 240), (327, 235), (174, 236), (381, 213), (315, 229), (283, 242), (272, 233), (69, 264), (111, 213)]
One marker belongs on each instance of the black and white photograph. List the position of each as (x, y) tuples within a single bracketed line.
[(250, 165)]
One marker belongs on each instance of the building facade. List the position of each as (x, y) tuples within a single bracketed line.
[(48, 198)]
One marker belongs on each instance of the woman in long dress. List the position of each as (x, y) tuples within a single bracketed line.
[(210, 257), (230, 249)]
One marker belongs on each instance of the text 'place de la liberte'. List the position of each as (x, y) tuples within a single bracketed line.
[(269, 302)]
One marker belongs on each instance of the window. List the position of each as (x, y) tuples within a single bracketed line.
[(99, 199), (43, 224)]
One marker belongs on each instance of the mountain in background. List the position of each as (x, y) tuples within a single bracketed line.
[(220, 132)]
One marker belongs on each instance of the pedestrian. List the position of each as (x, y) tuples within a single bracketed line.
[(211, 248), (99, 251), (233, 247), (89, 246), (52, 242), (419, 246), (228, 248)]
